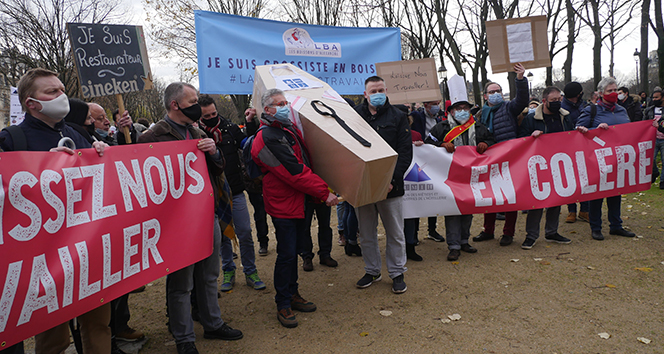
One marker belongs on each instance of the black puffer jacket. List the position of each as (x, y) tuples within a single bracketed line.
[(392, 125), (230, 145)]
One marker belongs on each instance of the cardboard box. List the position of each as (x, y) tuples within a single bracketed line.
[(409, 81), (518, 40), (361, 175)]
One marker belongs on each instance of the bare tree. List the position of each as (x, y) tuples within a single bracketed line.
[(572, 33), (659, 30), (33, 34), (319, 12), (556, 22), (643, 55)]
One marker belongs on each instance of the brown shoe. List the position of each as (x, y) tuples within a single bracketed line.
[(583, 216), (571, 218), (287, 318), (299, 304), (129, 335), (307, 264), (328, 261)]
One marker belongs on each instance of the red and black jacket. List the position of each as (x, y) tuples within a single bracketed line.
[(283, 157)]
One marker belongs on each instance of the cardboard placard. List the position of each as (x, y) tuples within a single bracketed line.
[(110, 59), (360, 174), (409, 81), (518, 40)]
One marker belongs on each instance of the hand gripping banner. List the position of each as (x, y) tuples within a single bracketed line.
[(78, 231), (530, 173)]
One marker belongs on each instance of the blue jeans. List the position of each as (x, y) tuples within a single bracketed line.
[(341, 211), (242, 225), (457, 230), (350, 223), (291, 237), (260, 217), (178, 291), (324, 231), (659, 149), (595, 213)]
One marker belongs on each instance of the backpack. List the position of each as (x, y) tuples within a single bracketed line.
[(252, 171), (18, 137)]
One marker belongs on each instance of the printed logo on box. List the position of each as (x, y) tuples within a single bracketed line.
[(298, 42)]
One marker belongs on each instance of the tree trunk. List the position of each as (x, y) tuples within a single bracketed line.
[(571, 38), (660, 36), (597, 46), (643, 56)]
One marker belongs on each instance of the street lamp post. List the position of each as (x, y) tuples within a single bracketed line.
[(636, 59), (442, 75), (530, 84)]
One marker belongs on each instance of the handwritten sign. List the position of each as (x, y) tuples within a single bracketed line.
[(518, 40), (410, 81), (110, 59)]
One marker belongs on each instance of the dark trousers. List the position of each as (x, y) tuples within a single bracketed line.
[(613, 213), (510, 223), (410, 228), (432, 223), (291, 238), (350, 223), (14, 349), (323, 213), (571, 208), (120, 314), (260, 217)]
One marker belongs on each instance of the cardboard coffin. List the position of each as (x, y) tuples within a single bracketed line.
[(361, 175)]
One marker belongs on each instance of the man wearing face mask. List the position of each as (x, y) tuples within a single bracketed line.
[(654, 112), (42, 97), (392, 125), (608, 113), (182, 109), (632, 107), (460, 129), (500, 117), (289, 182), (423, 121), (549, 117)]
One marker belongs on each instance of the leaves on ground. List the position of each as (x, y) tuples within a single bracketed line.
[(537, 259), (364, 334), (644, 269), (386, 313), (514, 260), (591, 267), (545, 263), (454, 317), (604, 335), (610, 286), (644, 340)]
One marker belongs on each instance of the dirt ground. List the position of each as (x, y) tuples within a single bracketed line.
[(551, 299)]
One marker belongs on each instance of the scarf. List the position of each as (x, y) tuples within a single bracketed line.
[(212, 131), (607, 106), (466, 127), (224, 207), (487, 115)]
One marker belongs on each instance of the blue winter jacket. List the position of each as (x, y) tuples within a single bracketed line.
[(504, 125), (574, 109), (41, 137), (618, 116)]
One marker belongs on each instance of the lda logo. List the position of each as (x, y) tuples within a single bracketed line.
[(298, 42)]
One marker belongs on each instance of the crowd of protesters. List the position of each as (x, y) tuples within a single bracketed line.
[(290, 191)]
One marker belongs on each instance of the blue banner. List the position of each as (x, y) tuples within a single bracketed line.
[(230, 47)]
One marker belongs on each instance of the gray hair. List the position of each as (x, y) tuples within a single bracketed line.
[(606, 82), (266, 99), (174, 92)]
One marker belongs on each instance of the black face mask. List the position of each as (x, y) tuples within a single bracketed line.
[(657, 103), (210, 122), (192, 112), (554, 107)]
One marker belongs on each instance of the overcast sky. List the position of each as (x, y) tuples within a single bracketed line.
[(625, 68)]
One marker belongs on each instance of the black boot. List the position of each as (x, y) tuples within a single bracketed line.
[(411, 254), (352, 249)]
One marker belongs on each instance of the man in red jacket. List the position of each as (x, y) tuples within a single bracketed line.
[(279, 150)]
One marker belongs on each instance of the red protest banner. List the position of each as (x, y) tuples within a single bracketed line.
[(80, 230), (530, 173)]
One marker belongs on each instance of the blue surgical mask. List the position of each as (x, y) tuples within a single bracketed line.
[(434, 110), (462, 116), (377, 99), (531, 111), (283, 115), (496, 98)]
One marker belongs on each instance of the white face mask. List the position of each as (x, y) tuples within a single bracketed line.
[(56, 108), (621, 97)]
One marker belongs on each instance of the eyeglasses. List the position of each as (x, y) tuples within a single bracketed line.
[(494, 91), (280, 104)]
